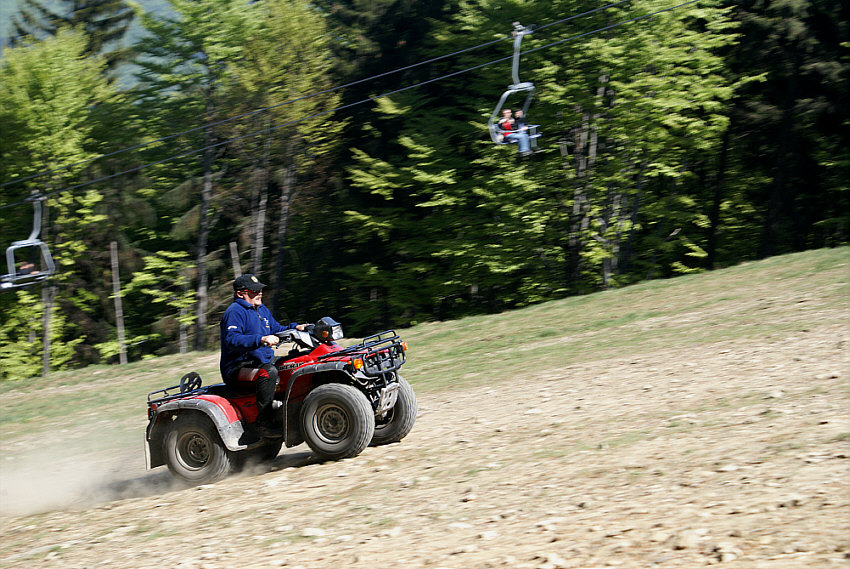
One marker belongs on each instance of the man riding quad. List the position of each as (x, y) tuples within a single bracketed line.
[(248, 337), (336, 399)]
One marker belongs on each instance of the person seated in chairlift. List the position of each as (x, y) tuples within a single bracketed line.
[(515, 130), (27, 268)]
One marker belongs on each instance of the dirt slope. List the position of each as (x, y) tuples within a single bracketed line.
[(732, 453)]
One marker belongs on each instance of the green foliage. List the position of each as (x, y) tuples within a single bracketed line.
[(682, 142), (19, 338), (166, 279), (47, 95), (50, 95), (633, 123), (791, 126), (20, 324)]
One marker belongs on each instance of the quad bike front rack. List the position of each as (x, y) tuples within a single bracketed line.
[(381, 353)]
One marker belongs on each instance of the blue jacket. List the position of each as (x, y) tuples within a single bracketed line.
[(242, 328)]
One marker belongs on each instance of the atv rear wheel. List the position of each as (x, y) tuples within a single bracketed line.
[(398, 421), (337, 421), (194, 452)]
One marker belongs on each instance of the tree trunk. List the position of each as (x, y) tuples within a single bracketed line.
[(288, 193), (260, 189), (784, 150), (234, 260), (48, 293), (586, 147), (717, 199), (613, 218), (578, 219), (119, 310), (183, 341), (259, 225), (203, 238)]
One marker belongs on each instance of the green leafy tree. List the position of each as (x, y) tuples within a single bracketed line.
[(185, 67), (49, 93), (47, 96), (22, 315), (626, 119), (165, 281), (649, 115), (34, 20), (285, 164), (21, 345)]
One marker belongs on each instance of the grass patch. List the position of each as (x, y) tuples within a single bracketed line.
[(768, 300)]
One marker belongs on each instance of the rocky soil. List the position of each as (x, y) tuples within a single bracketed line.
[(732, 454)]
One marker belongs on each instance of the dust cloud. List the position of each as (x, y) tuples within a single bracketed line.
[(60, 477)]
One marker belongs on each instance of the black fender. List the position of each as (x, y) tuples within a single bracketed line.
[(218, 409)]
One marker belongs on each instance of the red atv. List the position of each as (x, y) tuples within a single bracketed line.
[(337, 400)]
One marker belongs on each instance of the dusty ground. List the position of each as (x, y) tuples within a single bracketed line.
[(733, 453)]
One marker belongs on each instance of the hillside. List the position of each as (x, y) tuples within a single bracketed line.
[(697, 421)]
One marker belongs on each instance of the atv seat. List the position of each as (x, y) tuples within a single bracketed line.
[(238, 390), (248, 375), (246, 382)]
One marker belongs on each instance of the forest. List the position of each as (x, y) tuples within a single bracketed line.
[(339, 150)]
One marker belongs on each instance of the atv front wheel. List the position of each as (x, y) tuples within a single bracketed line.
[(194, 451), (398, 421), (337, 421)]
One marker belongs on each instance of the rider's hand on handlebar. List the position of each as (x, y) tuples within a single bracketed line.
[(301, 327), (270, 340)]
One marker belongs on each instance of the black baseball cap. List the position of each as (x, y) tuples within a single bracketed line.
[(247, 282)]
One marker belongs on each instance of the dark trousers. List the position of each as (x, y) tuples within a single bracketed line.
[(265, 381)]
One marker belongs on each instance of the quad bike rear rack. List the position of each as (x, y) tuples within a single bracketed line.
[(381, 353), (166, 396), (189, 383)]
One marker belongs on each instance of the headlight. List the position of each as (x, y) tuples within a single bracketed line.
[(328, 330)]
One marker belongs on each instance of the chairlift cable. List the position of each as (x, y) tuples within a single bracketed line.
[(615, 25), (303, 98), (568, 18), (343, 107), (251, 113)]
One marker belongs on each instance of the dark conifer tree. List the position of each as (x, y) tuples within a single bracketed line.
[(791, 126), (105, 22)]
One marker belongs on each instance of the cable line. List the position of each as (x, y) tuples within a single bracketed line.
[(618, 24), (343, 107), (255, 111), (248, 114), (303, 98), (568, 18)]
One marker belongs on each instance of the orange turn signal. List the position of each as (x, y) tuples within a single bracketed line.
[(404, 345), (357, 363)]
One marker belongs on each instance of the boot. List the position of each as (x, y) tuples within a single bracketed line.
[(266, 426)]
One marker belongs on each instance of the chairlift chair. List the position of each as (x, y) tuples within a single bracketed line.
[(496, 133), (15, 278)]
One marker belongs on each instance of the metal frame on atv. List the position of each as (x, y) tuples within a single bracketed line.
[(337, 400)]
